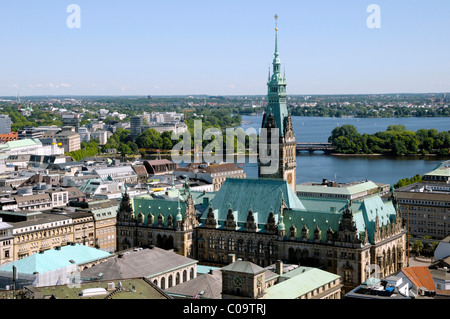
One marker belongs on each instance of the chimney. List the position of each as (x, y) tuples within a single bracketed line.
[(279, 267), (231, 258), (111, 286)]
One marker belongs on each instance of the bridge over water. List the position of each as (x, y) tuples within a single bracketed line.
[(313, 147)]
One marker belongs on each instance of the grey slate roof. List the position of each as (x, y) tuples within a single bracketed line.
[(210, 284), (143, 263), (242, 266)]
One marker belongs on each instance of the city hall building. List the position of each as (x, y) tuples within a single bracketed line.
[(263, 220)]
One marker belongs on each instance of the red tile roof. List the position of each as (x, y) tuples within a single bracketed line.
[(420, 277)]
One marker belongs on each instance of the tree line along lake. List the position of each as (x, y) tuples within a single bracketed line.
[(379, 169)]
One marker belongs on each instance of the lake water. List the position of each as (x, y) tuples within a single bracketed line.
[(379, 169)]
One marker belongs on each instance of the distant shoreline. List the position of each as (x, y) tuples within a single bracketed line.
[(409, 155)]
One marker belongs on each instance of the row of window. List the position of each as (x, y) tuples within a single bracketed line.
[(170, 283), (5, 232), (230, 244), (20, 230), (43, 234), (105, 230), (322, 289), (424, 202), (107, 240)]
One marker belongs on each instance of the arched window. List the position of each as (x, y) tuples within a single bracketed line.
[(184, 275), (170, 281), (163, 283), (177, 279)]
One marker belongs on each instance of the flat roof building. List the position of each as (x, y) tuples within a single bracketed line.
[(5, 124)]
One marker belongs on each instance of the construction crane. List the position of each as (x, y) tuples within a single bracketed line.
[(196, 148), (185, 114)]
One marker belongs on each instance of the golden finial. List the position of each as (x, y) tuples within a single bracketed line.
[(276, 18)]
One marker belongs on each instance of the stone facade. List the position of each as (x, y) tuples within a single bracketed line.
[(162, 230), (6, 242), (339, 246)]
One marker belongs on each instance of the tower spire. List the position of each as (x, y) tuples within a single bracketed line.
[(277, 116), (276, 35), (276, 59)]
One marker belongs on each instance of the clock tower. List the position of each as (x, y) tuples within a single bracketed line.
[(277, 117), (243, 280)]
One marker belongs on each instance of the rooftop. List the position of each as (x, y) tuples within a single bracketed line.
[(420, 276), (133, 288), (242, 266), (243, 195), (442, 169), (20, 143), (139, 263), (338, 189), (56, 258), (208, 286), (299, 282)]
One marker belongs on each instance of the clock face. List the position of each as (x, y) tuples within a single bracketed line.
[(289, 178), (237, 281)]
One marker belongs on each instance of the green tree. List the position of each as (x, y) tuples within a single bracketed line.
[(408, 181), (167, 144), (428, 144), (399, 148), (346, 139), (124, 149), (417, 247), (150, 138), (396, 128)]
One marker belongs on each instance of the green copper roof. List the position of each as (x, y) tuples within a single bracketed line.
[(20, 143), (442, 169), (165, 206), (55, 259), (300, 281), (276, 99), (199, 197), (325, 213), (169, 203), (262, 196)]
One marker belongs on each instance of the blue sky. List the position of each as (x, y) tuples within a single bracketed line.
[(222, 47)]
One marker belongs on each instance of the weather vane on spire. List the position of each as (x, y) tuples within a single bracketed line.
[(276, 23)]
